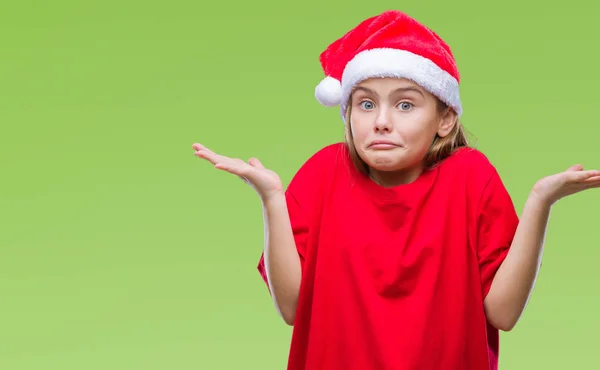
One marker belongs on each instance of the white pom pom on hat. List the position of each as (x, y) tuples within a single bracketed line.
[(329, 92), (391, 44)]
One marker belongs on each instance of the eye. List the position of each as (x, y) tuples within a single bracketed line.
[(367, 105), (405, 105)]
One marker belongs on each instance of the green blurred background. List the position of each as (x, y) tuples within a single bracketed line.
[(120, 250)]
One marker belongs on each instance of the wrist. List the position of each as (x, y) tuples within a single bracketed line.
[(273, 197), (539, 201)]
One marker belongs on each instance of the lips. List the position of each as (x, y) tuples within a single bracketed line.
[(383, 144)]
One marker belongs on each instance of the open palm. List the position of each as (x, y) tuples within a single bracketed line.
[(571, 181), (264, 181)]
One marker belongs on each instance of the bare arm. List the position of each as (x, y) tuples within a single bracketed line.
[(514, 281), (282, 262)]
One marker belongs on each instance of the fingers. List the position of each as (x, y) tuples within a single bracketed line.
[(212, 157), (576, 167), (583, 175), (235, 166), (591, 173), (228, 167), (254, 162), (232, 165), (592, 182), (209, 156)]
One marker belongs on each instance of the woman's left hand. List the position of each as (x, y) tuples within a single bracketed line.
[(574, 180)]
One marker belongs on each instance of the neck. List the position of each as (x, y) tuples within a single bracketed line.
[(388, 179)]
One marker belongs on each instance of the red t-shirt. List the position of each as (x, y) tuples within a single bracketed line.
[(395, 278)]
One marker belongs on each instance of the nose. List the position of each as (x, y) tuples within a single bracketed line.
[(382, 122)]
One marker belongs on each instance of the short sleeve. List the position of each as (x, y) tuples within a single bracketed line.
[(300, 227), (497, 224)]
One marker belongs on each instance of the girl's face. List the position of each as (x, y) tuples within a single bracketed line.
[(393, 123)]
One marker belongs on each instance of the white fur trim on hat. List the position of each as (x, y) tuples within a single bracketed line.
[(386, 62)]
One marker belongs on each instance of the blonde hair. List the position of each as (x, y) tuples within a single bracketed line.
[(440, 149)]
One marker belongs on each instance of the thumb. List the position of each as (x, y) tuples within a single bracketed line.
[(576, 167), (254, 162)]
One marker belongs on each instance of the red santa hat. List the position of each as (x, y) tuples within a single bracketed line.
[(391, 44)]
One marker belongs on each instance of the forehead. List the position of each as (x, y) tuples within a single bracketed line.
[(388, 83)]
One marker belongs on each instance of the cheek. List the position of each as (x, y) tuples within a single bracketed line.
[(415, 135), (419, 134), (360, 130)]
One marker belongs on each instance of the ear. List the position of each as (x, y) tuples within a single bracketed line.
[(447, 122)]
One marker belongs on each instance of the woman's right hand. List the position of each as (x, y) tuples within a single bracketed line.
[(264, 181)]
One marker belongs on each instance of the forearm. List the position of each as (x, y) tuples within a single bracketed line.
[(515, 279), (282, 262)]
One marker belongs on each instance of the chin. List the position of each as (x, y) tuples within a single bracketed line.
[(387, 167), (385, 161)]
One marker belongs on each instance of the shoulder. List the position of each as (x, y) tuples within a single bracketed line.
[(310, 183), (470, 172), (470, 157), (471, 168), (319, 166), (324, 159), (470, 163), (329, 154)]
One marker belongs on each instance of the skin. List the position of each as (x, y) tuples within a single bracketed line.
[(406, 116), (515, 279), (282, 263)]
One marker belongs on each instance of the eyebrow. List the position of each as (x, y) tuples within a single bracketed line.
[(401, 89)]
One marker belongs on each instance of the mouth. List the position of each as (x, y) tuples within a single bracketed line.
[(383, 144)]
